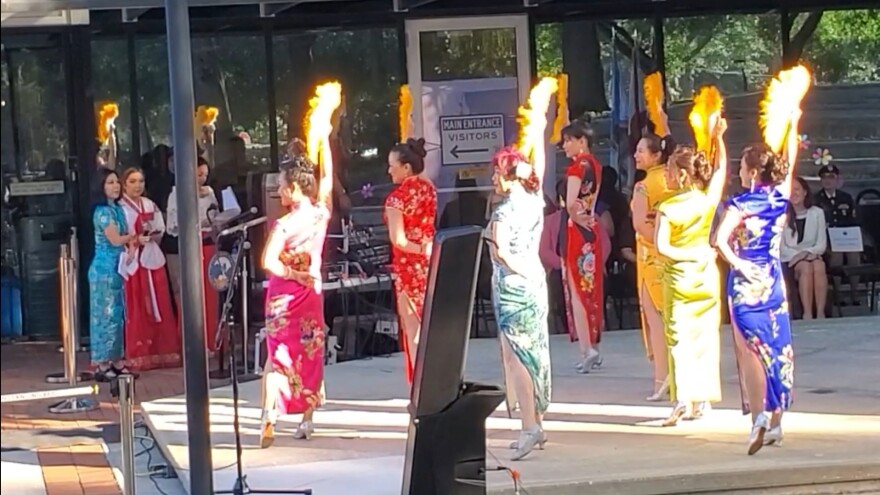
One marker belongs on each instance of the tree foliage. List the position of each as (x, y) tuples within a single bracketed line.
[(737, 52)]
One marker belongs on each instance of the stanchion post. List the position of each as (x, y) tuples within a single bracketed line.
[(126, 431), (74, 254), (67, 271)]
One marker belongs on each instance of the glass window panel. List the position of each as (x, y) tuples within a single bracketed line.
[(230, 74), (468, 54), (154, 105), (111, 82), (35, 92), (367, 64)]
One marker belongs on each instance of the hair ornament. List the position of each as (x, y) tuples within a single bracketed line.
[(523, 170), (822, 157)]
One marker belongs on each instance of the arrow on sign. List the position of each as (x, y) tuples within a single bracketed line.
[(455, 151)]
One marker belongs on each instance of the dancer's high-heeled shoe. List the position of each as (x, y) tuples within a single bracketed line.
[(774, 436), (267, 432), (529, 439), (662, 392), (593, 360), (698, 410), (516, 443), (681, 411), (759, 430), (304, 431)]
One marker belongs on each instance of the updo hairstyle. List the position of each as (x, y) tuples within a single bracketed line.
[(771, 168), (298, 169), (694, 163), (412, 152)]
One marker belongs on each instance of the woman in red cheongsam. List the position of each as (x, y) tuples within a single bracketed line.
[(582, 256), (410, 211)]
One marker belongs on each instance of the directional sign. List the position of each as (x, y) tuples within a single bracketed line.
[(470, 139)]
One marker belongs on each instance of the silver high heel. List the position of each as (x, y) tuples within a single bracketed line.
[(682, 410), (774, 436), (516, 443), (662, 393), (304, 431), (759, 429), (529, 439), (592, 361)]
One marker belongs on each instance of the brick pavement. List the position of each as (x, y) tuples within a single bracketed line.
[(70, 469)]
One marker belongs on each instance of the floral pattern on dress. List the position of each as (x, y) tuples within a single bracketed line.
[(520, 300), (582, 253), (759, 309), (295, 312), (416, 198)]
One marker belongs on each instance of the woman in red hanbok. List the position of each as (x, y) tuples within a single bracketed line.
[(293, 381), (582, 255), (152, 337), (410, 211)]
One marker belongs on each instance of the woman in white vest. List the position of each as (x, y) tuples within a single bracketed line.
[(207, 200)]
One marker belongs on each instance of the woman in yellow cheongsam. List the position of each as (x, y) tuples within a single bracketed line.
[(691, 282), (651, 155)]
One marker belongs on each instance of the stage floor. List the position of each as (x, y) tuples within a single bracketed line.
[(603, 437)]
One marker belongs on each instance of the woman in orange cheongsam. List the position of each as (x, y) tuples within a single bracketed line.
[(410, 211), (583, 271)]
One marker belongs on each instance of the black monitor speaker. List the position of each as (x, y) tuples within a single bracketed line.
[(446, 444)]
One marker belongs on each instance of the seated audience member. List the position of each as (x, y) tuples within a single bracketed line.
[(840, 211), (803, 244)]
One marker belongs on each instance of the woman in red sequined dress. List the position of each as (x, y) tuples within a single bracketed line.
[(410, 211)]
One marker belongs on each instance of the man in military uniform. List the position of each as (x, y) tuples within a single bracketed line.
[(840, 211)]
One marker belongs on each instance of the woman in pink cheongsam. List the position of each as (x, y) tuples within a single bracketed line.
[(294, 374)]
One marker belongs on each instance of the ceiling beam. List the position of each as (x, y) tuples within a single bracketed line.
[(273, 9), (31, 6), (408, 5)]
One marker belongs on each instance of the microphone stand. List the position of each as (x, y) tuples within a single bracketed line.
[(224, 333)]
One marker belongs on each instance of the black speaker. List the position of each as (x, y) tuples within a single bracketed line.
[(446, 444)]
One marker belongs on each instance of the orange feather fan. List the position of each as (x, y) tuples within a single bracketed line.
[(205, 115), (654, 96), (106, 116), (707, 102), (562, 117), (783, 97), (404, 110)]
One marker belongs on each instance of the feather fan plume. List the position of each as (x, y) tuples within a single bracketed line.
[(707, 102), (205, 116), (319, 119), (107, 112), (533, 117), (562, 116), (654, 96), (783, 97), (404, 110)]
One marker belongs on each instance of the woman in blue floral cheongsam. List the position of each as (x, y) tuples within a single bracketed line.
[(749, 238)]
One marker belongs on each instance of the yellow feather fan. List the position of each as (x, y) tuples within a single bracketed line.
[(533, 118), (205, 116), (707, 102), (404, 110), (783, 97), (319, 118), (106, 116), (562, 117), (654, 96)]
